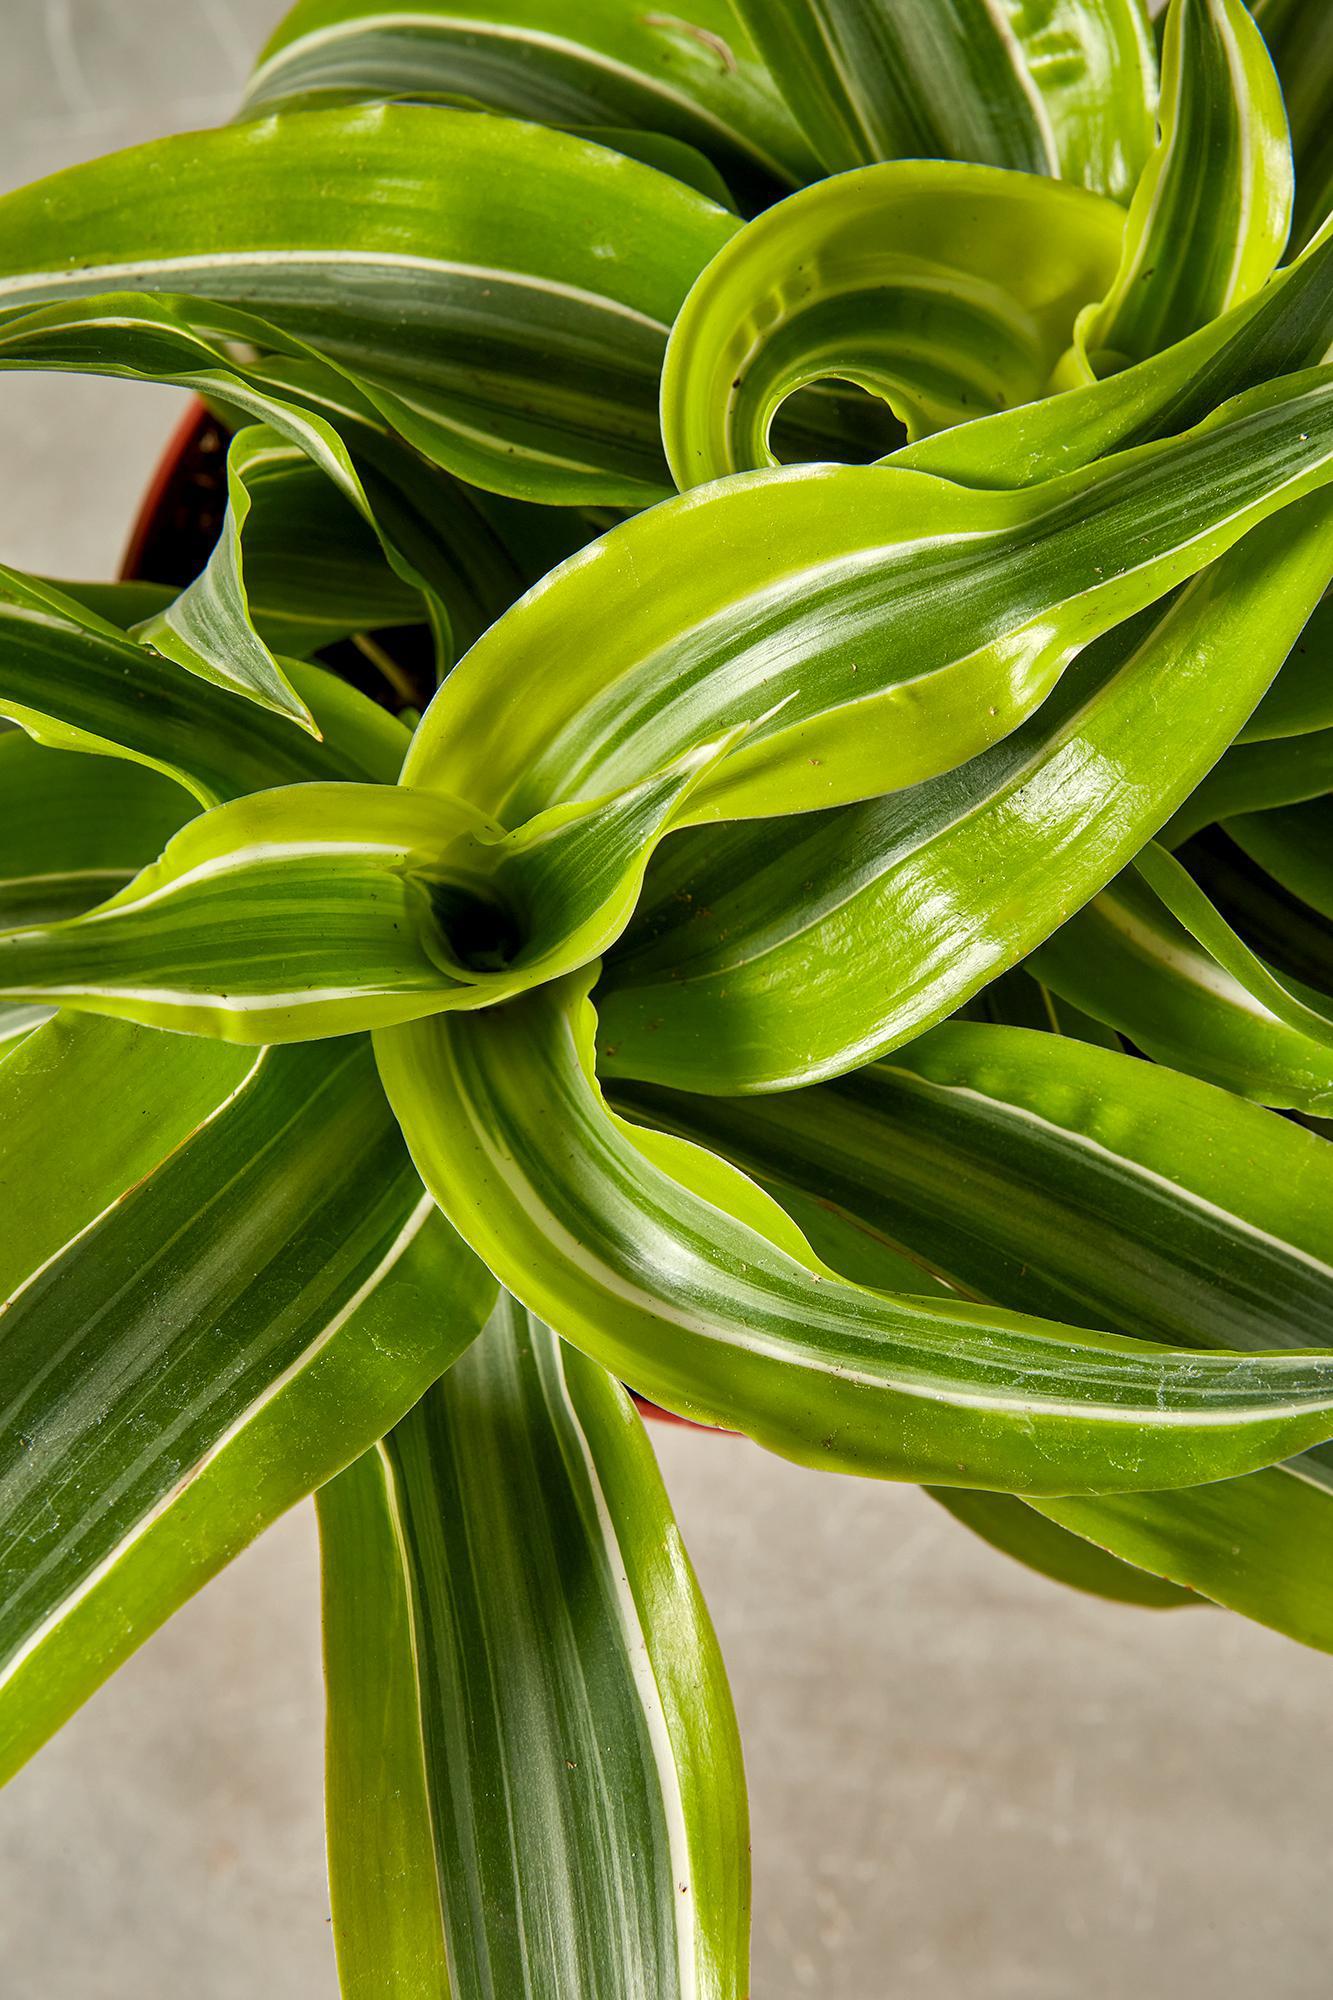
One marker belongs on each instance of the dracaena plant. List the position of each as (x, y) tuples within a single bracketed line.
[(817, 903)]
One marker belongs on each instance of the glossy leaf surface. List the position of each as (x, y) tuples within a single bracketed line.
[(872, 627), (530, 1736), (767, 957), (74, 682), (1056, 1178), (198, 1330), (1129, 961), (1211, 211), (681, 1277), (976, 668), (695, 79), (269, 589), (1285, 327), (1060, 89), (947, 290), (514, 331), (311, 911)]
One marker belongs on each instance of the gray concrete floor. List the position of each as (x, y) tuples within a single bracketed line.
[(964, 1781)]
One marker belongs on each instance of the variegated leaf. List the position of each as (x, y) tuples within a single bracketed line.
[(534, 1777)]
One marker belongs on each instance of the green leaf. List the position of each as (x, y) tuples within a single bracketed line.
[(384, 1889), (669, 156), (872, 627), (1127, 959), (129, 334), (512, 331), (124, 604), (680, 1276), (304, 560), (1294, 936), (1018, 1530), (695, 79), (315, 910), (287, 914), (1255, 778), (359, 738), (1018, 999), (765, 957), (109, 1103), (203, 1324), (1211, 212), (1295, 846), (1051, 1177), (1285, 327), (269, 585), (233, 937), (1060, 1178), (1056, 88), (1255, 1545), (74, 682), (1299, 34), (75, 829), (1300, 700), (435, 534), (534, 1775), (1297, 1005), (947, 290)]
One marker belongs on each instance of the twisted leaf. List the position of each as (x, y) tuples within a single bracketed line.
[(679, 1275), (1211, 212), (434, 535), (1285, 327), (264, 588), (871, 626), (771, 956), (74, 682), (1051, 1177), (947, 290), (1130, 961), (316, 910)]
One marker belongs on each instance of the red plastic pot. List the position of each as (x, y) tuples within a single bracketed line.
[(173, 534), (181, 512)]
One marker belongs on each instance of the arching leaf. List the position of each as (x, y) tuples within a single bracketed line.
[(1047, 87), (513, 330), (1052, 1177), (197, 1333), (769, 956), (680, 1276), (947, 290), (1211, 212), (695, 79)]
